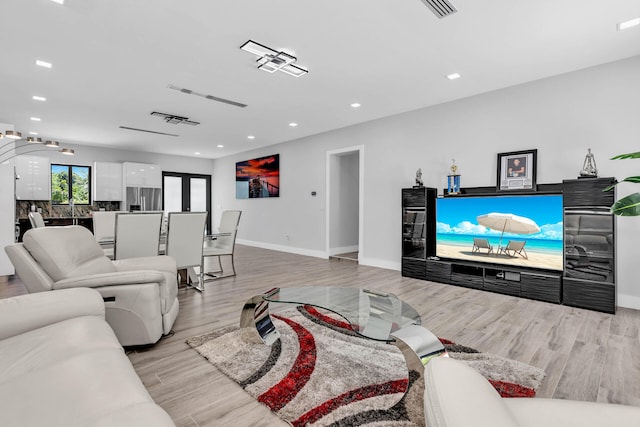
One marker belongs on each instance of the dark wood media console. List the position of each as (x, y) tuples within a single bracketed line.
[(543, 286), (588, 276)]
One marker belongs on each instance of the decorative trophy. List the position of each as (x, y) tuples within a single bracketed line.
[(589, 169), (419, 182), (453, 180)]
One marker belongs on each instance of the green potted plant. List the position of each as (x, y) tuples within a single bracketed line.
[(628, 205)]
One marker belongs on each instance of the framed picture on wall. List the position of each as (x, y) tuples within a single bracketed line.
[(517, 170), (258, 178)]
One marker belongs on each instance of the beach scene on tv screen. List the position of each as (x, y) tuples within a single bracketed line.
[(523, 231)]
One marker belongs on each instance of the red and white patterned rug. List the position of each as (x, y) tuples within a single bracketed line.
[(319, 373)]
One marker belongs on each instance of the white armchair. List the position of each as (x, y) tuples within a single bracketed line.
[(140, 294)]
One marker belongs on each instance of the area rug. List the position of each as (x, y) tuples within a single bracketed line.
[(319, 373)]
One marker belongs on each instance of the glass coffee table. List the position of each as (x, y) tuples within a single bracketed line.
[(371, 314)]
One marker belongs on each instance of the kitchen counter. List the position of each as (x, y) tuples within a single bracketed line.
[(86, 221)]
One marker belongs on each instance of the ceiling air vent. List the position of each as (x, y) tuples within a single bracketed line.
[(147, 130), (209, 97), (441, 8)]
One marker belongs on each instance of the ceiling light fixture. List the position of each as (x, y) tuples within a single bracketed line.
[(628, 24), (32, 143), (12, 134), (356, 105), (440, 8), (271, 60), (38, 98), (197, 153), (453, 76), (58, 1), (43, 64), (251, 137), (220, 146), (33, 133), (36, 119), (292, 124), (174, 120)]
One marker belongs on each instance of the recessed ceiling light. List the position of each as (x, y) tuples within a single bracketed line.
[(44, 64), (251, 137), (33, 133), (628, 24), (292, 124), (220, 146), (197, 153), (35, 119), (356, 105), (453, 76), (39, 98), (58, 1)]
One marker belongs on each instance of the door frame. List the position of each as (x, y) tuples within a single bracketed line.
[(330, 154), (186, 189)]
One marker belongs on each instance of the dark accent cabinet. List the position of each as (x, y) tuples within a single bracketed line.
[(418, 230), (589, 244)]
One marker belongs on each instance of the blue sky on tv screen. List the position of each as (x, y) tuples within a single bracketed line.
[(459, 215)]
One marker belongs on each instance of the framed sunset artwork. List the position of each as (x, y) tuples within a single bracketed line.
[(258, 178)]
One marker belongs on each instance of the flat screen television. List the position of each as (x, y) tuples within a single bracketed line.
[(520, 230)]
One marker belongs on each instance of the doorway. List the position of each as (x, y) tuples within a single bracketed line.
[(186, 192), (344, 201)]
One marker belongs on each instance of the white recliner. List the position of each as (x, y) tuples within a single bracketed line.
[(140, 294), (457, 395)]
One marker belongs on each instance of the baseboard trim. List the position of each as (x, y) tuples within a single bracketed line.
[(629, 301), (380, 263), (344, 250), (281, 248)]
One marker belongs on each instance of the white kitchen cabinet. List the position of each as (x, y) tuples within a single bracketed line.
[(107, 181), (142, 175), (35, 177)]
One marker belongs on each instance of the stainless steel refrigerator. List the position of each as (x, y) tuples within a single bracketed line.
[(144, 199)]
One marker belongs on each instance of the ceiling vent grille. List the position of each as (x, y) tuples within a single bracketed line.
[(175, 120), (441, 8), (204, 95), (147, 131)]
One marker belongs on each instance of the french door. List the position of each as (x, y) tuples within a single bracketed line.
[(186, 192)]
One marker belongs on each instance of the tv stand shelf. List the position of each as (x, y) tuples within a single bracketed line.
[(532, 284)]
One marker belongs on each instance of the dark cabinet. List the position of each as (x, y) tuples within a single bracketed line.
[(589, 244), (418, 230)]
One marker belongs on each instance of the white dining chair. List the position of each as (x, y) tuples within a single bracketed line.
[(223, 242), (137, 234), (104, 230), (185, 235), (35, 218)]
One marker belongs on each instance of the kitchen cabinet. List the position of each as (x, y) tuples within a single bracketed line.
[(107, 181), (35, 177), (142, 175)]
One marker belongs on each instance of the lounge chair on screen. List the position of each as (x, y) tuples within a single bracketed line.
[(481, 244)]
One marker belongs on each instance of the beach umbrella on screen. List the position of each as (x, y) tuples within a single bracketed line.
[(508, 223)]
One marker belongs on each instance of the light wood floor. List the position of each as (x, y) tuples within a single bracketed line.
[(586, 355)]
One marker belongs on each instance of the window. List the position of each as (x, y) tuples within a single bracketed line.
[(70, 183)]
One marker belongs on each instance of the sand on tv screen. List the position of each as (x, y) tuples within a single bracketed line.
[(524, 231)]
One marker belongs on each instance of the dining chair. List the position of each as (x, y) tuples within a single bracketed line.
[(137, 234), (185, 235), (224, 242), (35, 218), (104, 230)]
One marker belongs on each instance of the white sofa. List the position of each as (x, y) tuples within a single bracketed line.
[(458, 396), (62, 365), (140, 294)]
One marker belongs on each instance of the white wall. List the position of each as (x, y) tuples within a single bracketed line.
[(7, 205), (561, 116)]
